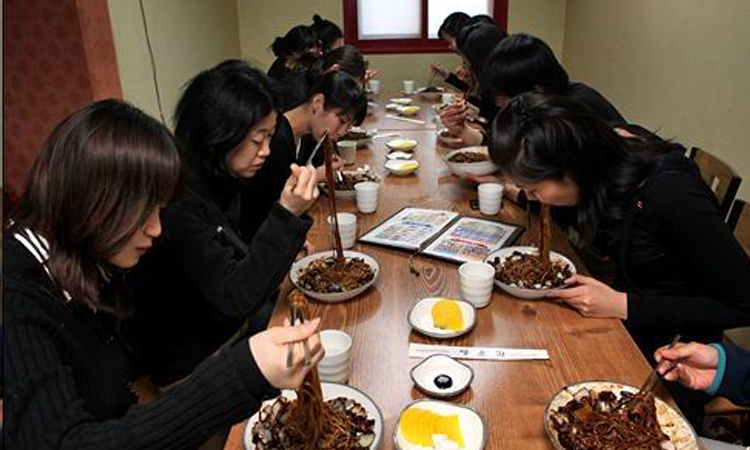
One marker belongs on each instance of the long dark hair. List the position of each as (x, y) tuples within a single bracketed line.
[(541, 137), (327, 32), (521, 63), (343, 92), (299, 40), (475, 42), (99, 175), (217, 110), (452, 24), (348, 58)]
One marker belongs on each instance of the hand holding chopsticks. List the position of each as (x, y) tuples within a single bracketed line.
[(268, 351), (693, 365), (300, 191)]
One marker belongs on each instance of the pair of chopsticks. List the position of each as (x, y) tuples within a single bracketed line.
[(296, 315), (317, 147), (652, 379)]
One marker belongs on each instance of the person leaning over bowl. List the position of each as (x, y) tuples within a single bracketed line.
[(89, 213), (298, 43), (203, 285), (721, 369), (334, 101), (448, 32)]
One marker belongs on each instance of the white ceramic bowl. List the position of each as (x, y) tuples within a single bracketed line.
[(402, 144), (336, 296), (473, 427), (331, 391), (523, 292), (363, 141), (401, 101), (673, 424), (338, 347), (434, 96), (401, 167), (425, 373), (478, 168), (448, 140), (420, 318)]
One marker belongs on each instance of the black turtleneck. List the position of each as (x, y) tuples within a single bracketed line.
[(201, 281)]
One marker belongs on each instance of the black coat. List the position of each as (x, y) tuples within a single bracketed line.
[(68, 376), (736, 383), (202, 281)]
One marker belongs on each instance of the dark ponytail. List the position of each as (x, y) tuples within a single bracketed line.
[(341, 91), (299, 39), (327, 32)]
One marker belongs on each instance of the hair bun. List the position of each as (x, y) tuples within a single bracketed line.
[(317, 18)]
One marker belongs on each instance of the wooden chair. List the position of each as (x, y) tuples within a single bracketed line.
[(739, 223), (719, 176)]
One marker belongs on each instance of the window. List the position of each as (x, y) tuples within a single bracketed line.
[(409, 26)]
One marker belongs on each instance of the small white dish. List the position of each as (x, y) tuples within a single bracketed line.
[(333, 297), (402, 167), (420, 318), (520, 292), (431, 94), (409, 110), (392, 106), (485, 167), (402, 101), (402, 144), (447, 139), (330, 391), (473, 427), (442, 376), (364, 137), (399, 155)]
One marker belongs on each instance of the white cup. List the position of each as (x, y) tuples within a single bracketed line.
[(375, 86), (477, 280), (347, 228), (490, 198), (334, 367), (447, 98), (367, 196), (408, 87), (348, 150)]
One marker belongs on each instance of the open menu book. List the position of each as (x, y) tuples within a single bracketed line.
[(443, 234)]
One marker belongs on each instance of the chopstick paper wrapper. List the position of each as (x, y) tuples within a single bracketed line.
[(404, 119), (487, 353)]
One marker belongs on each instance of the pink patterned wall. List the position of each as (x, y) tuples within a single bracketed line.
[(58, 56)]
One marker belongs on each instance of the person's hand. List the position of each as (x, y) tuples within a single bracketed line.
[(300, 190), (336, 163), (592, 298), (440, 69), (269, 349), (463, 74), (696, 364), (371, 73), (454, 117), (307, 249)]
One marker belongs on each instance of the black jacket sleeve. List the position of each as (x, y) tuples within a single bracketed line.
[(457, 83), (233, 286), (690, 221), (736, 383), (45, 411)]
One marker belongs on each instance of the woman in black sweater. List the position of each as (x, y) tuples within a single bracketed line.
[(90, 211), (332, 104), (297, 44), (680, 269), (211, 284)]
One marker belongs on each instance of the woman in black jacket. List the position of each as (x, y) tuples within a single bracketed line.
[(211, 284), (297, 44), (333, 103), (680, 269), (90, 211)]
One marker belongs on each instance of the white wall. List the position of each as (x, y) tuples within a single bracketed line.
[(187, 36)]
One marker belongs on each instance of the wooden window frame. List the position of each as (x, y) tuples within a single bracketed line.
[(420, 45)]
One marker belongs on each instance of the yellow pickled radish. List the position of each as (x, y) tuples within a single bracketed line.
[(419, 425), (446, 315)]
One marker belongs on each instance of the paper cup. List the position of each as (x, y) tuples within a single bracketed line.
[(347, 229), (476, 282), (334, 367), (490, 198), (374, 86), (348, 150), (408, 87), (367, 196)]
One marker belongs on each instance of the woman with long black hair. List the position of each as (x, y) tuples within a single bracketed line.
[(329, 34), (680, 270), (89, 213), (333, 103), (645, 205), (212, 285)]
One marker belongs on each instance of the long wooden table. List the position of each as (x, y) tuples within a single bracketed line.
[(511, 396)]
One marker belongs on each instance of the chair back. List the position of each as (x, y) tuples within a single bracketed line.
[(719, 176)]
